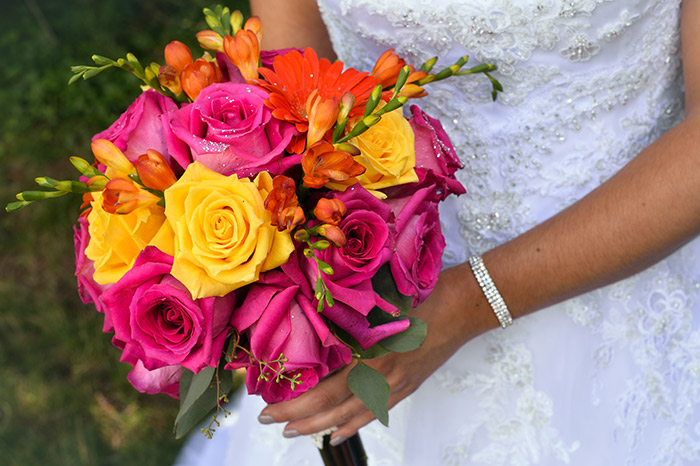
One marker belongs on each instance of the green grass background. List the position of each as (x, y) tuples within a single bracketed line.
[(64, 397)]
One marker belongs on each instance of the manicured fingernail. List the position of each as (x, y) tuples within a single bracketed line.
[(290, 433), (335, 441), (266, 419)]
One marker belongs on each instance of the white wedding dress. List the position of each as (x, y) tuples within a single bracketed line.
[(609, 378)]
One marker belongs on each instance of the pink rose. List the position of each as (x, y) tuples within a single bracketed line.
[(229, 129), (88, 289), (434, 153), (140, 128), (157, 322), (417, 262), (277, 318), (369, 229), (162, 380)]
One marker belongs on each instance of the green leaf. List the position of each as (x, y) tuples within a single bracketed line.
[(205, 403), (192, 386), (372, 389), (408, 340), (384, 284)]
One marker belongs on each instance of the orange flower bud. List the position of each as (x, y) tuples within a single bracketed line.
[(170, 78), (333, 234), (122, 196), (388, 67), (210, 40), (330, 210), (322, 163), (199, 75), (412, 91), (244, 52), (322, 116), (254, 25), (178, 55), (109, 155), (283, 204), (154, 171)]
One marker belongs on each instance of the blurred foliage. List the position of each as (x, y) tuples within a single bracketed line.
[(64, 396)]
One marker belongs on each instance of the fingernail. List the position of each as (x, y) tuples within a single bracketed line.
[(335, 441), (266, 419), (290, 433)]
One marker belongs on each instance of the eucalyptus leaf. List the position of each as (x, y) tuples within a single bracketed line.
[(202, 406), (408, 340), (192, 386), (372, 389)]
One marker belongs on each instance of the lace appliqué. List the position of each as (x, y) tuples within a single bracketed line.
[(513, 415), (650, 319)]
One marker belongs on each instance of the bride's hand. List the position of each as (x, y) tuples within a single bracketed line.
[(452, 320)]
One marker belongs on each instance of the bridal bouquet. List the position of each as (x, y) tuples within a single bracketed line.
[(266, 211)]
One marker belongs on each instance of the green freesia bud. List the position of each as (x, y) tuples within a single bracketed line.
[(301, 235), (72, 187), (46, 182), (15, 206), (401, 80), (321, 245), (347, 147), (462, 61), (31, 196), (100, 60), (392, 105), (325, 268), (428, 65), (374, 98), (308, 253), (236, 22), (84, 167)]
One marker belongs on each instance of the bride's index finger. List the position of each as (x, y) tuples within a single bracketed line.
[(329, 392)]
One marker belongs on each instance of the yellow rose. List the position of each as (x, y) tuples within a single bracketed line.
[(223, 234), (117, 239), (388, 153)]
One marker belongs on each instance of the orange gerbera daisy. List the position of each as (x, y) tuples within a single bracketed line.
[(296, 76)]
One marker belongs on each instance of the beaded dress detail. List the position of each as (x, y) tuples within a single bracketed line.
[(609, 378)]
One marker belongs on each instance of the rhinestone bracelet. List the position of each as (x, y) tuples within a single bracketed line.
[(490, 291)]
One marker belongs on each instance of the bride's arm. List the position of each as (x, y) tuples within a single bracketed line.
[(292, 23), (643, 213)]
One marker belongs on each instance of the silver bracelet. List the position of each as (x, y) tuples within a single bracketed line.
[(490, 291)]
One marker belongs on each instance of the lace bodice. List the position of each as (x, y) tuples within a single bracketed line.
[(588, 84)]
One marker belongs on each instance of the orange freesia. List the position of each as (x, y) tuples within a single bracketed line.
[(170, 78), (388, 67), (109, 155), (244, 52), (154, 171), (334, 234), (283, 204), (296, 76), (87, 200), (322, 163), (412, 91), (199, 75), (122, 196), (330, 210), (178, 55), (210, 40), (322, 116)]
